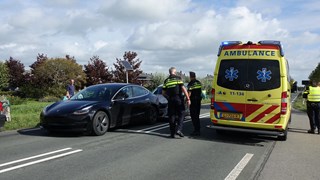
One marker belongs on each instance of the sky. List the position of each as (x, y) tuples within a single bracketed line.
[(185, 34)]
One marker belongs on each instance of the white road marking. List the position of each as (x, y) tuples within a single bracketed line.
[(150, 130), (294, 99), (33, 157), (239, 167), (37, 161)]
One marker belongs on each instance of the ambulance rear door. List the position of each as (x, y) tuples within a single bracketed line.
[(230, 96), (263, 87)]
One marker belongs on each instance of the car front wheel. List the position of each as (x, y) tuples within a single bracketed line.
[(100, 123), (152, 115)]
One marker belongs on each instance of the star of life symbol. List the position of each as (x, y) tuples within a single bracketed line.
[(264, 75), (231, 74)]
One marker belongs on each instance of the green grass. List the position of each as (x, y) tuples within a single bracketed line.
[(206, 101), (299, 105), (25, 115)]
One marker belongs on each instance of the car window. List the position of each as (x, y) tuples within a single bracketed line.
[(251, 75), (158, 90), (124, 93), (139, 91), (94, 93)]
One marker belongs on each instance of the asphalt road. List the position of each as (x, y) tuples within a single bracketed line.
[(134, 152)]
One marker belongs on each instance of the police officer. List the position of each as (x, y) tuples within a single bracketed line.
[(313, 107), (172, 89), (194, 91)]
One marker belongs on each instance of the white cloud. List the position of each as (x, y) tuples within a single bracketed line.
[(26, 17), (100, 44), (129, 10), (6, 46)]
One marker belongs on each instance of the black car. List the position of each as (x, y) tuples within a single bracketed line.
[(100, 107), (163, 102)]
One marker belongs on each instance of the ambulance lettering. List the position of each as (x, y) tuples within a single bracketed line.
[(250, 53)]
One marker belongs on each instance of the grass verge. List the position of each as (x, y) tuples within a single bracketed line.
[(299, 104), (25, 115)]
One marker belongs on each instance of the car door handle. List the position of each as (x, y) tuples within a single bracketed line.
[(131, 102), (253, 99)]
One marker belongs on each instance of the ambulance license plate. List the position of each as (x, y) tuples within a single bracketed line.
[(233, 116)]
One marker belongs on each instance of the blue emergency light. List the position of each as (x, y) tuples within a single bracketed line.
[(230, 43), (227, 43), (273, 42)]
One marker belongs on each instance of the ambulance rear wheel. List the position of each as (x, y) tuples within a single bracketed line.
[(284, 137)]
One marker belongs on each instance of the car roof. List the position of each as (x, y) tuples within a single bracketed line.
[(114, 84)]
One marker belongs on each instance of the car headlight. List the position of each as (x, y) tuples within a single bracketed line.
[(82, 111)]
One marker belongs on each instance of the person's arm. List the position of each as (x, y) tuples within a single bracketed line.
[(164, 93), (68, 94), (184, 90)]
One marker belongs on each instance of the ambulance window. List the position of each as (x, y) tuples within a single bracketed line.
[(264, 74), (232, 74), (249, 75)]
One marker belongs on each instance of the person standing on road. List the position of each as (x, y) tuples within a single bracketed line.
[(70, 89), (172, 89), (313, 107), (194, 91)]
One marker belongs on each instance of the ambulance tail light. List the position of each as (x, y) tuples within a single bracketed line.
[(284, 102), (212, 98)]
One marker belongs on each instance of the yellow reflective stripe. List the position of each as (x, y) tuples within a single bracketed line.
[(195, 87), (172, 83)]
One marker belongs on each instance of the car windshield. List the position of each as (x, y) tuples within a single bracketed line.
[(158, 90), (95, 93)]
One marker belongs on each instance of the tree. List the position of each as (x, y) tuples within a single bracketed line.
[(16, 72), (54, 74), (4, 76), (315, 74), (41, 58), (119, 73), (157, 79), (97, 71)]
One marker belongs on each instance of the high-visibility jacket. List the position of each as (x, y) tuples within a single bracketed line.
[(194, 87), (314, 94), (172, 86)]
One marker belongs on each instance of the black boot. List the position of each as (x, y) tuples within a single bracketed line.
[(311, 131), (172, 130)]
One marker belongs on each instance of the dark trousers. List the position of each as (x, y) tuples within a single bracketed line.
[(313, 111), (195, 107), (176, 114)]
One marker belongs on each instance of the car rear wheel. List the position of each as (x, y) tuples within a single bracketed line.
[(100, 123), (152, 115)]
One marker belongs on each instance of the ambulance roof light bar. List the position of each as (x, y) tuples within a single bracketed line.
[(273, 42), (227, 43)]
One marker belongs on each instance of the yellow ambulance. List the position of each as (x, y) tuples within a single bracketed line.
[(251, 89)]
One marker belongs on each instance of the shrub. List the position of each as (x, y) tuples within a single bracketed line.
[(6, 93), (15, 100), (50, 99)]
